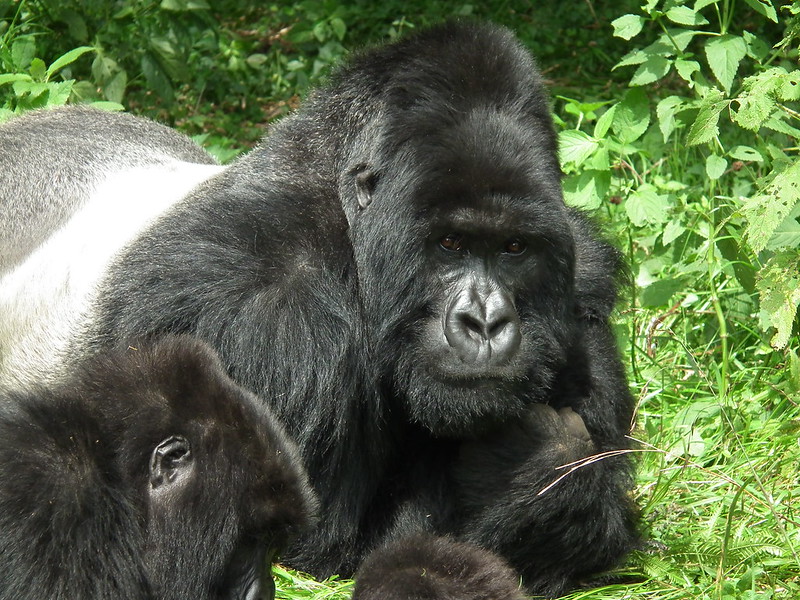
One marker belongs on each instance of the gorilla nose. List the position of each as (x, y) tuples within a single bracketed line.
[(483, 328)]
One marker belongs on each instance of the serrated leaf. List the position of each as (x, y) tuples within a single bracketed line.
[(789, 88), (672, 232), (645, 205), (683, 15), (12, 77), (604, 122), (104, 68), (767, 210), (701, 4), (779, 293), (38, 69), (653, 69), (757, 49), (704, 128), (59, 92), (665, 112), (686, 68), (23, 50), (575, 147), (745, 153), (715, 166), (660, 292), (634, 57), (588, 189), (66, 59), (157, 79), (627, 26), (724, 54), (777, 123), (787, 234), (114, 90), (763, 7), (632, 116)]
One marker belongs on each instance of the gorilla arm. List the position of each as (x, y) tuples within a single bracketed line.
[(531, 495)]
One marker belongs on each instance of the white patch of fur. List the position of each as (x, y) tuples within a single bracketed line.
[(44, 299)]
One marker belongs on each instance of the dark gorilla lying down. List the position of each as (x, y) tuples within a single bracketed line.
[(149, 475), (394, 271)]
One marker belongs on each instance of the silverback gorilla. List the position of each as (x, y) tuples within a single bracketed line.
[(393, 271), (148, 475)]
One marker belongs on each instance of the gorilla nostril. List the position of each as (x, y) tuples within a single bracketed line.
[(473, 325), (496, 328)]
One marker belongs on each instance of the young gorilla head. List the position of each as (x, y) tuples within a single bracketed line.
[(150, 475), (458, 176), (426, 567)]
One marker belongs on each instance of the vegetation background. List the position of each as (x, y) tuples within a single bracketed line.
[(679, 130)]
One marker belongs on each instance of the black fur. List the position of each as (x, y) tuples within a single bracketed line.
[(318, 267), (424, 567), (88, 509)]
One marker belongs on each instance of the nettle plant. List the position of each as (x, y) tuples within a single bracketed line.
[(700, 158)]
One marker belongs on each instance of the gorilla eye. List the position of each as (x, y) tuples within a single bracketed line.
[(514, 247), (452, 242)]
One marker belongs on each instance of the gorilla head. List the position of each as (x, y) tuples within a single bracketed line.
[(462, 240), (150, 474)]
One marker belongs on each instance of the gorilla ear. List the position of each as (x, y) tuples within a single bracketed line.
[(170, 459), (366, 180)]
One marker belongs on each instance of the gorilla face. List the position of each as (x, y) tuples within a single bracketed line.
[(225, 477), (149, 474), (481, 238)]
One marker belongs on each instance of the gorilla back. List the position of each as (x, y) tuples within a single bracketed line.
[(395, 272)]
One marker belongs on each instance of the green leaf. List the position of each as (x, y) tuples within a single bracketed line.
[(631, 116), (59, 92), (724, 54), (715, 166), (672, 232), (66, 59), (745, 153), (339, 28), (757, 49), (114, 90), (575, 147), (683, 15), (588, 189), (665, 111), (169, 58), (653, 69), (787, 234), (157, 79), (767, 210), (12, 77), (23, 50), (604, 122), (38, 69), (701, 4), (627, 26), (634, 57), (763, 7), (76, 24), (660, 292), (645, 205), (704, 128), (789, 88), (779, 292), (686, 68)]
